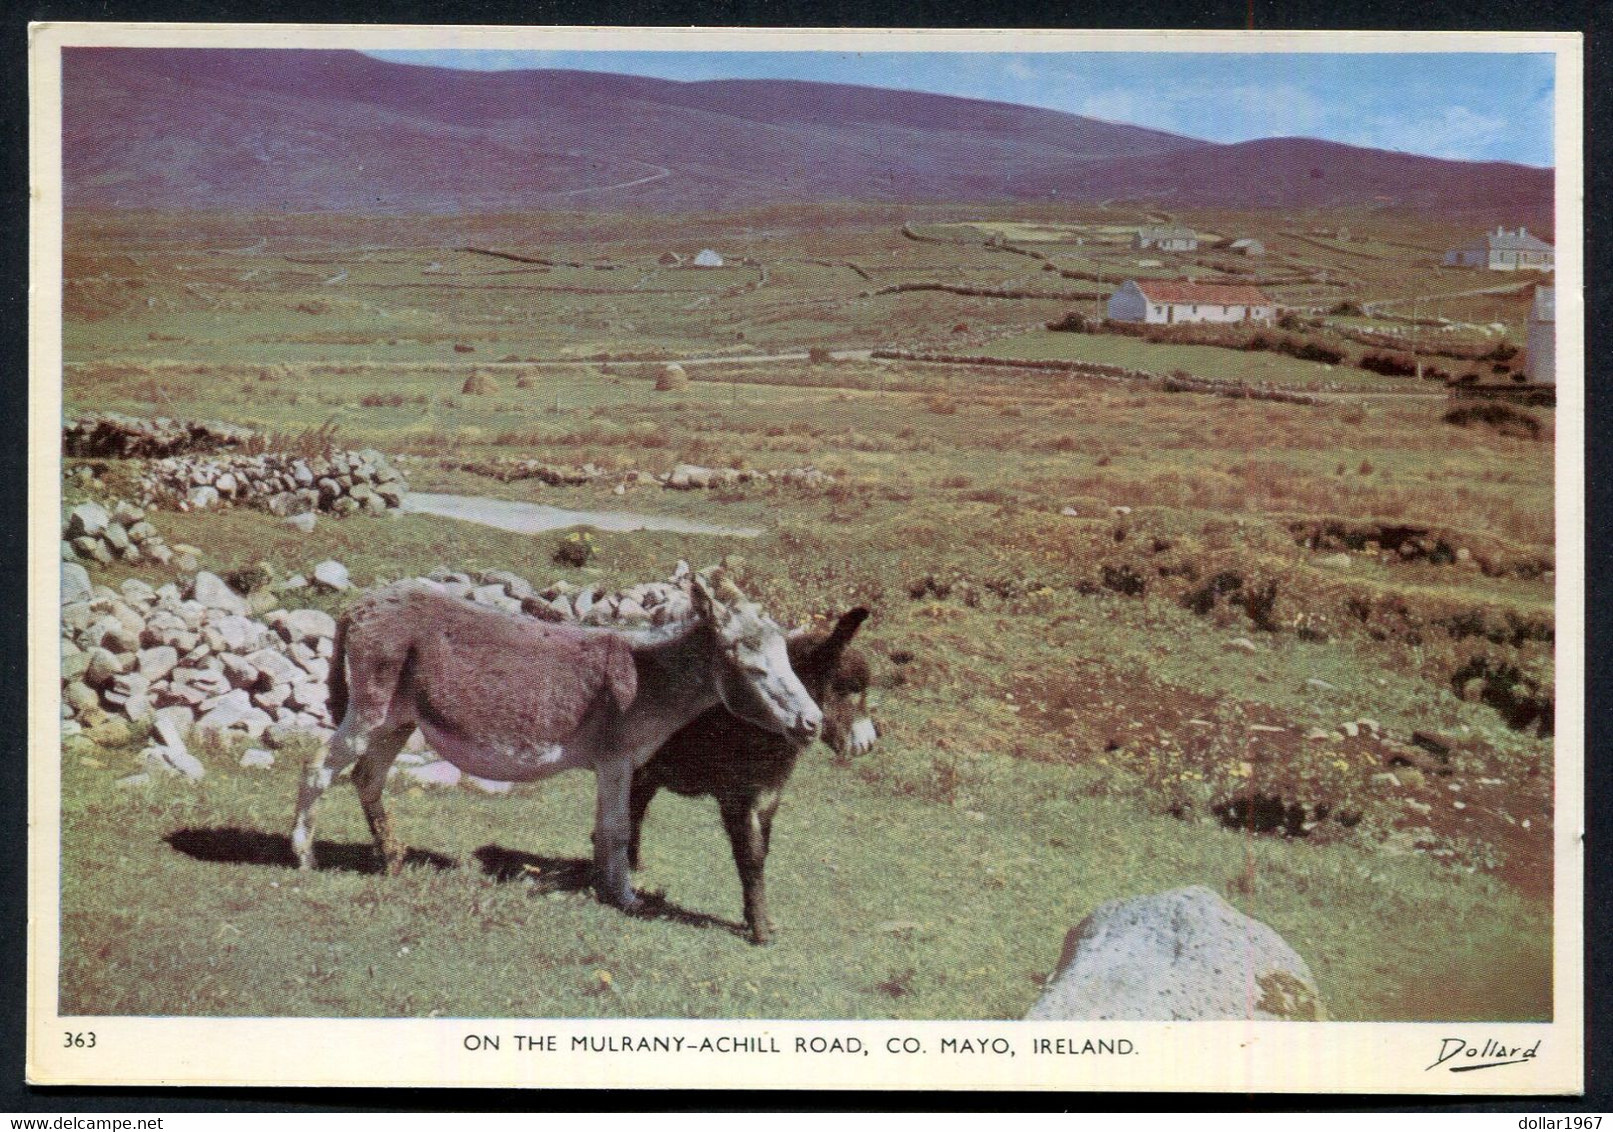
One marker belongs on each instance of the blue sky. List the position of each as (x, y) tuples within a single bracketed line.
[(1471, 107)]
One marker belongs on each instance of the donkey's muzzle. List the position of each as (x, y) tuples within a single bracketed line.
[(806, 726)]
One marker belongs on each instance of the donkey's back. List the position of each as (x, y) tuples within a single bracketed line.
[(414, 656)]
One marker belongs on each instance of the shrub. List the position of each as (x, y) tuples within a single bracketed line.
[(1505, 419), (1310, 352), (1390, 365), (1073, 323), (575, 549), (1348, 309)]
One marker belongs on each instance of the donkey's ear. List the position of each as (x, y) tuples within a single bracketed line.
[(706, 605), (845, 629)]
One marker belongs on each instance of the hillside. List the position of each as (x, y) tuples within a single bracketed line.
[(337, 130)]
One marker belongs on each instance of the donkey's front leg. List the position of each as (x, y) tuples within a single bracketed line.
[(612, 831)]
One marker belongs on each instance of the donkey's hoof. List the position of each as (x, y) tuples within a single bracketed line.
[(628, 901)]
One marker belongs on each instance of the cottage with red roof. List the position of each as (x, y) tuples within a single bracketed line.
[(1154, 300)]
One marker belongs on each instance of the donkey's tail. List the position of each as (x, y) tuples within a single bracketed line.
[(338, 673)]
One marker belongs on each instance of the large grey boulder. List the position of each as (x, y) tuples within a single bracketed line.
[(1176, 956)]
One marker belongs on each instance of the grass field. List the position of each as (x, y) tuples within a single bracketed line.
[(1070, 706)]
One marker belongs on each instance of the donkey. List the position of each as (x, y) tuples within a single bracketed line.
[(507, 697), (745, 767)]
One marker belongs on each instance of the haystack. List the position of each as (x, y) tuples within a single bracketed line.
[(672, 377), (480, 384)]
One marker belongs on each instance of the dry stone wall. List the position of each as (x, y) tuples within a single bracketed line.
[(117, 436), (280, 483), (193, 660), (92, 533), (683, 477)]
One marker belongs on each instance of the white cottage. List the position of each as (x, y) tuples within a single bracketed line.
[(1171, 239), (1502, 250), (1153, 300), (1542, 363)]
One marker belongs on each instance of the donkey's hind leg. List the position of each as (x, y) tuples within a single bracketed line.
[(345, 747), (369, 776)]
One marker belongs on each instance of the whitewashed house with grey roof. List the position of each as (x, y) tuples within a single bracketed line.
[(1502, 250)]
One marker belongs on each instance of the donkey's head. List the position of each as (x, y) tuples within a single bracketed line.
[(752, 673), (838, 677)]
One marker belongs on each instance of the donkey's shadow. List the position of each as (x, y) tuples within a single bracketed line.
[(576, 874), (231, 845)]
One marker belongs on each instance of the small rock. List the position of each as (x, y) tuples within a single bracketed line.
[(1340, 561), (309, 696), (331, 575), (304, 522), (439, 773), (112, 733), (307, 626), (104, 666), (1316, 684), (80, 696), (257, 758), (75, 583), (87, 520), (1352, 729), (1316, 734), (173, 760), (1243, 644), (485, 785), (214, 593)]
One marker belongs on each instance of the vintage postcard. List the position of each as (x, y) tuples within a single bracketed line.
[(1053, 560)]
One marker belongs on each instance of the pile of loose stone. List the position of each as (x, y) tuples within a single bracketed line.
[(280, 483), (191, 658), (93, 534), (645, 604), (684, 477), (118, 436), (188, 660)]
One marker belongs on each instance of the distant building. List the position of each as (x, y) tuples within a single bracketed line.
[(1247, 246), (1166, 239), (707, 258), (1505, 251), (1542, 358), (1152, 300)]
